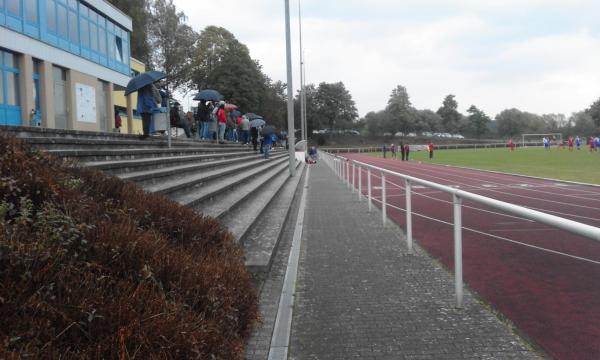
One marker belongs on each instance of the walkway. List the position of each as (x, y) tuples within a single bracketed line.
[(360, 295)]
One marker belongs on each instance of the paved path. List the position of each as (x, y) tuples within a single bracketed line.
[(360, 295)]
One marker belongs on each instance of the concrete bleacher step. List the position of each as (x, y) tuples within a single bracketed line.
[(137, 165), (262, 239), (194, 189), (166, 173), (118, 154), (230, 200)]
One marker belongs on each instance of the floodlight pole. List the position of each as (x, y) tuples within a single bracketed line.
[(290, 92), (301, 97)]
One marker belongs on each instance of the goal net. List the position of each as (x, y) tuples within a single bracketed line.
[(538, 139)]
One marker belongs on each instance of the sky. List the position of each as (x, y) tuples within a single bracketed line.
[(540, 56)]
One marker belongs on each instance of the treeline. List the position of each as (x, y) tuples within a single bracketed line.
[(215, 59), (400, 116)]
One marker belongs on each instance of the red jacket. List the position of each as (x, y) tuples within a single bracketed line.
[(221, 116)]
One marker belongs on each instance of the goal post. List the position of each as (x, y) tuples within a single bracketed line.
[(537, 138)]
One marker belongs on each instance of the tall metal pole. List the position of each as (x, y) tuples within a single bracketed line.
[(304, 95), (290, 92), (301, 97)]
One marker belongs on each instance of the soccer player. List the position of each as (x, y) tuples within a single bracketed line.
[(578, 142), (570, 142)]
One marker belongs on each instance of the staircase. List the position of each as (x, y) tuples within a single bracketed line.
[(249, 195)]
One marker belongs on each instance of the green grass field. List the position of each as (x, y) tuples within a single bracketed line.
[(580, 166)]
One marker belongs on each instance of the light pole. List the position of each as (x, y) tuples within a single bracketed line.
[(290, 92), (301, 97)]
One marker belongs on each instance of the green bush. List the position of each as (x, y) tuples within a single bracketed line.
[(93, 267)]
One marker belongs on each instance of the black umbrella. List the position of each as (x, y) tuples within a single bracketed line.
[(208, 95), (142, 80), (252, 116), (268, 130)]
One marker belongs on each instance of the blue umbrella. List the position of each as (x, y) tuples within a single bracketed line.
[(208, 95), (235, 113), (258, 122), (142, 80)]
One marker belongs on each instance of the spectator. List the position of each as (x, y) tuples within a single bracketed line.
[(148, 97), (384, 150), (179, 120), (266, 146), (430, 149), (393, 150), (402, 153), (245, 129), (222, 121), (406, 151)]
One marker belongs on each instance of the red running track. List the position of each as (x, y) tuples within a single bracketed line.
[(554, 299)]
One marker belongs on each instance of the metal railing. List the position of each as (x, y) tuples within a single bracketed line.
[(422, 147), (343, 168)]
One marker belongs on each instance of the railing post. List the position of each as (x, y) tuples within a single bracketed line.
[(359, 183), (348, 173), (409, 239), (458, 268), (369, 191), (383, 201), (353, 176)]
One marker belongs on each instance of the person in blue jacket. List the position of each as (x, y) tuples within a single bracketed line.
[(148, 97)]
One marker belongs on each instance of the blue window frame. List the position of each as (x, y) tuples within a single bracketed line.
[(72, 26), (10, 107)]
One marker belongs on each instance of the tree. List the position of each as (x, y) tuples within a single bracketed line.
[(375, 122), (335, 106), (478, 122), (449, 113), (139, 13), (427, 120), (215, 44), (594, 112), (510, 122), (173, 43), (401, 116)]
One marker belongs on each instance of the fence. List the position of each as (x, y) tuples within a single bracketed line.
[(346, 170), (369, 149)]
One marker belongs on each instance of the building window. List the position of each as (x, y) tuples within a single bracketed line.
[(14, 7), (85, 33), (31, 11), (93, 36), (73, 28), (51, 16), (102, 41), (10, 75), (119, 49), (62, 21)]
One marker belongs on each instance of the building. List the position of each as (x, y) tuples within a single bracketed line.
[(60, 61), (131, 122)]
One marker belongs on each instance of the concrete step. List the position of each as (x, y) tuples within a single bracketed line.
[(96, 144), (171, 173), (241, 219), (201, 191), (139, 153), (244, 193), (260, 242), (144, 164)]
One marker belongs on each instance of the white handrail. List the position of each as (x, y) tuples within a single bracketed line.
[(571, 226)]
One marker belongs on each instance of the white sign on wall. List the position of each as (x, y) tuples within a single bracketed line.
[(85, 98)]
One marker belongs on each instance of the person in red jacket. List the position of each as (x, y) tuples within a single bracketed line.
[(222, 122), (407, 150), (430, 149)]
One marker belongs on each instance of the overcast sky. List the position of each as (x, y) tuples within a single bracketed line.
[(541, 56)]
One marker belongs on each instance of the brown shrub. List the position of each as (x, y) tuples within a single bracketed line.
[(93, 267)]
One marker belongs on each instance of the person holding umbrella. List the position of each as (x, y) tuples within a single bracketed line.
[(148, 96)]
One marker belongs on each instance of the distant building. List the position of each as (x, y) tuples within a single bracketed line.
[(132, 122), (60, 61)]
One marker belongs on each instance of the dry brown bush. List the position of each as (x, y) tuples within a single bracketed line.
[(92, 267)]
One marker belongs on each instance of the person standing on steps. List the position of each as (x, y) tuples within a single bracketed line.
[(148, 97)]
